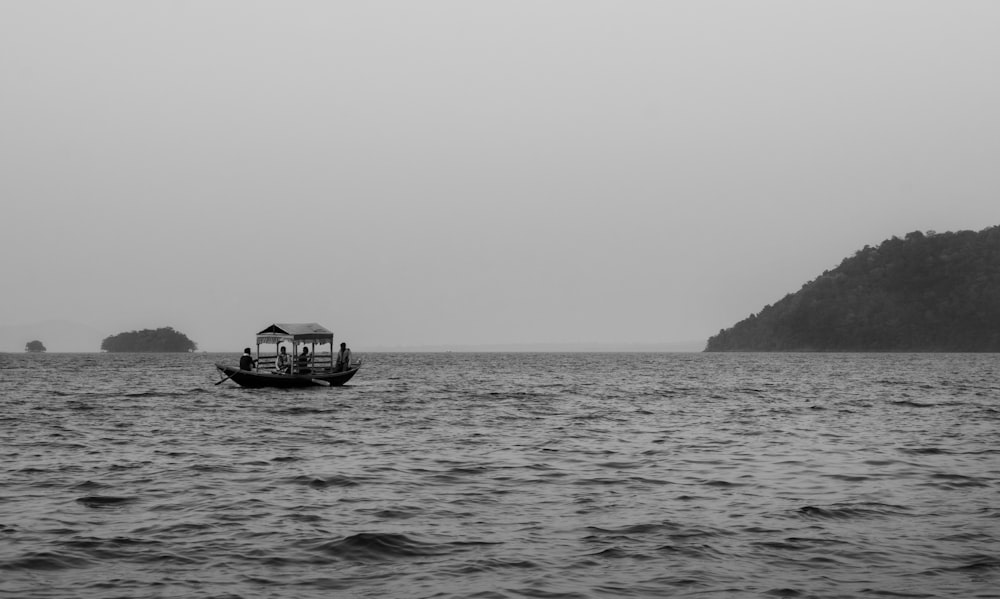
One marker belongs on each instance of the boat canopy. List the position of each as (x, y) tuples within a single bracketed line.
[(295, 331)]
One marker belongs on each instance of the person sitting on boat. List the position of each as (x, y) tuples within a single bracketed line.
[(304, 360), (343, 358), (246, 360), (283, 363)]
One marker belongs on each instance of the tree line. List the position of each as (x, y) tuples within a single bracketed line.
[(925, 292)]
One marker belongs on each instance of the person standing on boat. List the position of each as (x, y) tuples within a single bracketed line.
[(283, 363), (246, 360), (303, 361), (343, 358)]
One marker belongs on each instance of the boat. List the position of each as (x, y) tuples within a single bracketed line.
[(320, 370)]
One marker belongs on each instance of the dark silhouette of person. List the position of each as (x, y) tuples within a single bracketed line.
[(246, 360), (283, 363), (303, 361), (343, 358)]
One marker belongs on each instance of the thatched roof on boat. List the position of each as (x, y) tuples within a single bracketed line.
[(295, 331)]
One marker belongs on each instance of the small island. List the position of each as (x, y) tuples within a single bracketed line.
[(164, 339), (34, 346)]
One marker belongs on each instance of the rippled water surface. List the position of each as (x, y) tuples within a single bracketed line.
[(504, 475)]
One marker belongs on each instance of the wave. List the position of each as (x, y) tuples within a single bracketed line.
[(670, 530), (121, 548), (46, 561), (316, 482), (491, 565), (924, 450), (852, 511), (914, 404), (381, 547), (958, 481), (89, 485), (104, 501), (116, 393), (974, 563), (404, 513)]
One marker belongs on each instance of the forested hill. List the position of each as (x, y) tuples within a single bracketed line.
[(164, 339), (933, 292)]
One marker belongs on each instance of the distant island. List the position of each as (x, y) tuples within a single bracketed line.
[(62, 336), (924, 293), (164, 339), (34, 346)]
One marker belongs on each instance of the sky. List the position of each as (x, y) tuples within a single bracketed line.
[(461, 173)]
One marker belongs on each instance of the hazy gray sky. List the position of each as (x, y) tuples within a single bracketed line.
[(477, 172)]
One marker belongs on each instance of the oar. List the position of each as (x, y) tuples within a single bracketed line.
[(320, 382), (227, 378)]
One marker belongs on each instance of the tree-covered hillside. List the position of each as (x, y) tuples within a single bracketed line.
[(933, 292), (165, 339)]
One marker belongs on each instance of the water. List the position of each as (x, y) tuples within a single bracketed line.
[(504, 475)]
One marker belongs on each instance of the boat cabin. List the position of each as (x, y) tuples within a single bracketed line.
[(295, 337)]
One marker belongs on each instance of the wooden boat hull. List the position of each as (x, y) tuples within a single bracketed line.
[(256, 380)]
